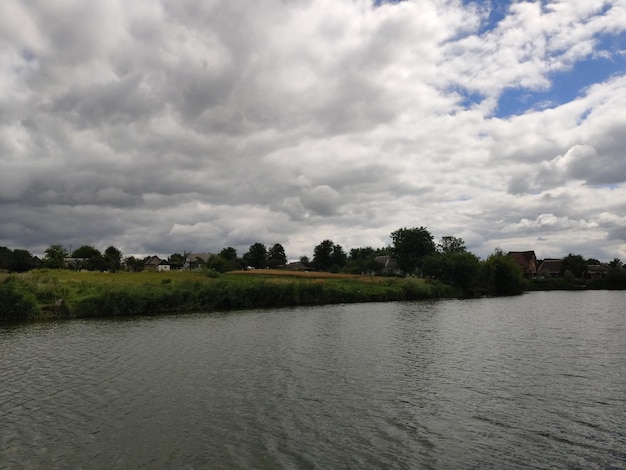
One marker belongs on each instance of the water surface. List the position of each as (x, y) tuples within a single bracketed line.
[(536, 381)]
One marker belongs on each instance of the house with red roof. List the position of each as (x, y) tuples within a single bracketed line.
[(526, 260)]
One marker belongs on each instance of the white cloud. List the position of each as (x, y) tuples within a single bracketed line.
[(160, 127)]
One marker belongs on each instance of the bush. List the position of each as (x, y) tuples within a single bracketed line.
[(16, 302), (502, 276)]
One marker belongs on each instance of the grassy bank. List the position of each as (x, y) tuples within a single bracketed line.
[(44, 294)]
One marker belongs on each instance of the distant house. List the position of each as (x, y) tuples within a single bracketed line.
[(550, 268), (596, 271), (196, 260), (296, 266), (75, 263), (526, 260), (387, 265), (154, 263)]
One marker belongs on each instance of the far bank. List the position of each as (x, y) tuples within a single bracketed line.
[(50, 294)]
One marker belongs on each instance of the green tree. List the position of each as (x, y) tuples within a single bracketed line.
[(450, 244), (616, 277), (21, 261), (456, 268), (322, 255), (276, 256), (176, 260), (86, 251), (328, 256), (339, 258), (17, 302), (410, 246), (93, 259), (362, 260), (256, 256), (133, 264), (227, 260), (217, 263), (228, 254), (112, 259), (502, 275), (55, 257), (5, 257), (575, 264)]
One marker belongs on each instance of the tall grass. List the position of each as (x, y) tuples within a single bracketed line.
[(16, 301), (59, 293)]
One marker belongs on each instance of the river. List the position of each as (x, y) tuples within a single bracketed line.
[(535, 381)]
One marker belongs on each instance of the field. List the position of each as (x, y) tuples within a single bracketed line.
[(60, 293)]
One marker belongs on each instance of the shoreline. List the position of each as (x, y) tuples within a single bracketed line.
[(60, 294), (47, 294)]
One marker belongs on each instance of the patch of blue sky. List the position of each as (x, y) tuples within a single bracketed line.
[(378, 3), (609, 186), (468, 99), (28, 56), (497, 11), (565, 86)]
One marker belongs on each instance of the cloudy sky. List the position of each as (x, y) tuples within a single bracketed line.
[(164, 126)]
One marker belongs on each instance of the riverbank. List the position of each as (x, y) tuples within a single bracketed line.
[(49, 294)]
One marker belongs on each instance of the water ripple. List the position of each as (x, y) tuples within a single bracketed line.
[(487, 383)]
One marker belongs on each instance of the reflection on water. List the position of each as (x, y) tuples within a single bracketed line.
[(536, 381)]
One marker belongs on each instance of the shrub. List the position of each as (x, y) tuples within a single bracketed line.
[(502, 275), (16, 302)]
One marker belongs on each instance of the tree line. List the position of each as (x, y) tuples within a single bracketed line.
[(412, 251)]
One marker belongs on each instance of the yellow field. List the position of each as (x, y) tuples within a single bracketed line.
[(118, 278), (300, 274)]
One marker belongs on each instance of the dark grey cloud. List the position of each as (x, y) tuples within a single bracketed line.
[(162, 127)]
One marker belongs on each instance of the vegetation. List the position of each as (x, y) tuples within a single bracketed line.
[(71, 294), (502, 275), (91, 283), (410, 247), (17, 302), (327, 256)]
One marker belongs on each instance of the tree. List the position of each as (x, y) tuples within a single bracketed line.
[(55, 257), (363, 260), (458, 269), (450, 244), (217, 263), (86, 251), (593, 262), (133, 264), (176, 260), (339, 258), (276, 256), (322, 255), (575, 264), (21, 261), (92, 258), (256, 256), (228, 254), (502, 275), (227, 260), (327, 256), (112, 259), (410, 246), (616, 278), (5, 257), (17, 302)]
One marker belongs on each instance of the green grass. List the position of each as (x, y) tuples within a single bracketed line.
[(59, 293)]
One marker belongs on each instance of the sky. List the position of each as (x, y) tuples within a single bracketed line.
[(172, 126)]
